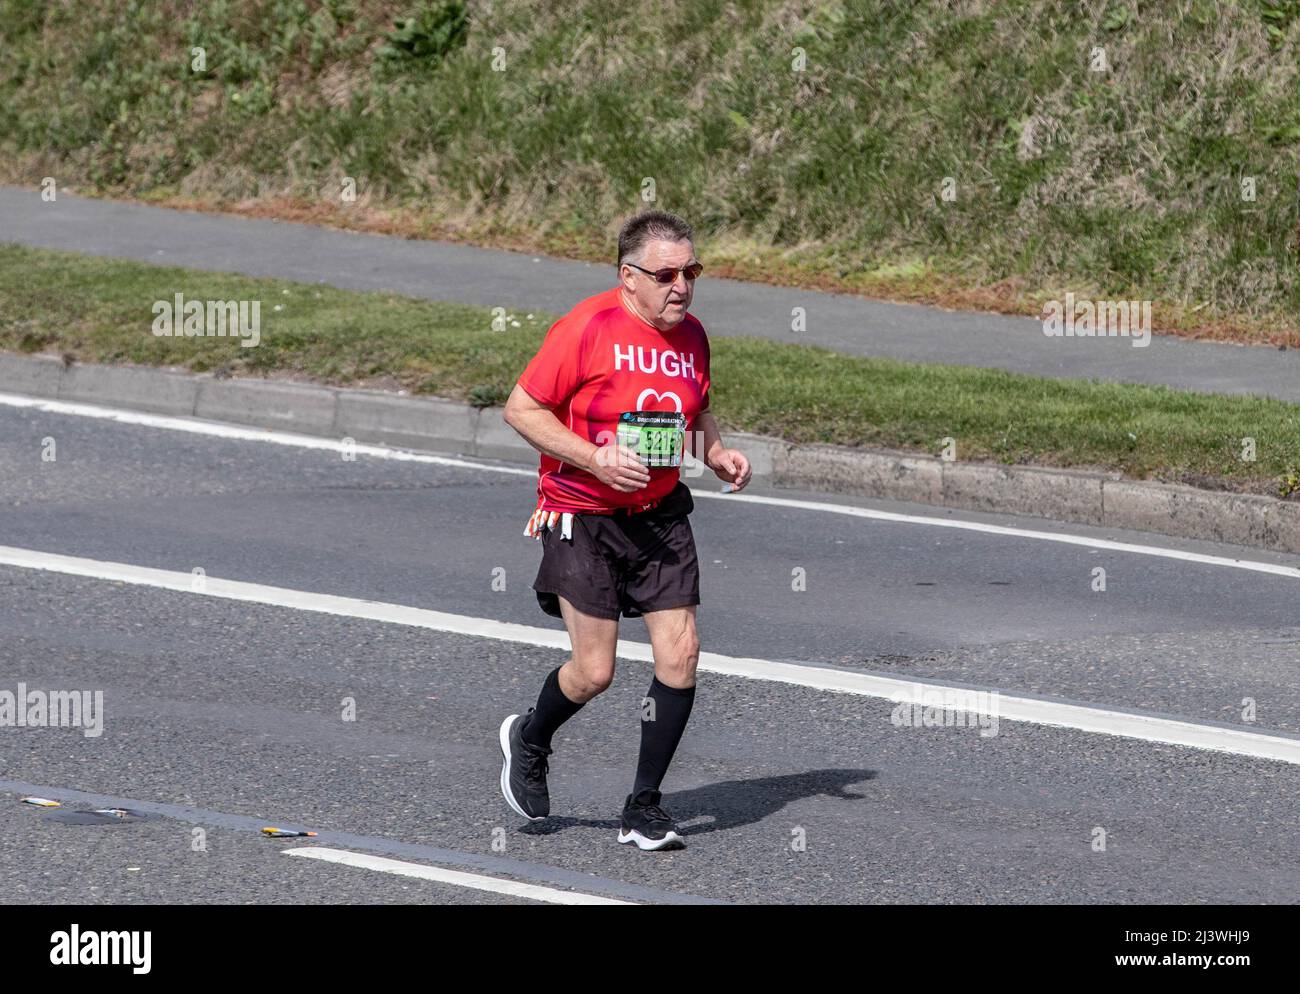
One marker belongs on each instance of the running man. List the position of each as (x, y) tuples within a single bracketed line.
[(619, 386)]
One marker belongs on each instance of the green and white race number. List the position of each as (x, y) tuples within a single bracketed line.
[(656, 436)]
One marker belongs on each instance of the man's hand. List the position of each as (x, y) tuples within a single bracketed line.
[(619, 467), (732, 467)]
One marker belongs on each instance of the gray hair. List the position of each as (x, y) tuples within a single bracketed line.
[(647, 226)]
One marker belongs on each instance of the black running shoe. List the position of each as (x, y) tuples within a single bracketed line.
[(523, 771), (647, 824)]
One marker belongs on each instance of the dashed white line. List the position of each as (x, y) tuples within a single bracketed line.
[(1098, 720), (457, 878)]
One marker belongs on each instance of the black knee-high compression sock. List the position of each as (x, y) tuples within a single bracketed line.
[(663, 720), (553, 710)]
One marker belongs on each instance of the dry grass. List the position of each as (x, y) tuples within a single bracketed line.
[(1116, 184)]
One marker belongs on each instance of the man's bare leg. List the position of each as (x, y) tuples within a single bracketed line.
[(590, 670), (676, 645)]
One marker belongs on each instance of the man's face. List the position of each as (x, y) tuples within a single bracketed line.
[(663, 305)]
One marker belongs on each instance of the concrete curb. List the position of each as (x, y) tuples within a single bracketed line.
[(449, 427)]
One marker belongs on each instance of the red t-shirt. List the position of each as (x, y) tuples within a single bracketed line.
[(599, 362)]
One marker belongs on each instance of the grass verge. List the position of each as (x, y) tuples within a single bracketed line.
[(101, 310)]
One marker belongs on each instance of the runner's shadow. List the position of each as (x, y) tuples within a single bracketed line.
[(732, 803)]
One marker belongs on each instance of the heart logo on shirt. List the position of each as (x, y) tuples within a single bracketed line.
[(640, 401)]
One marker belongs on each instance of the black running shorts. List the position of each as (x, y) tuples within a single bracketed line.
[(628, 563)]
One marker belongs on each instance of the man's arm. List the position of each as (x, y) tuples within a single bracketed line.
[(614, 465), (708, 437), (730, 465), (543, 430)]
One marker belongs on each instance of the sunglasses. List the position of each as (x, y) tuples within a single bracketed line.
[(668, 275)]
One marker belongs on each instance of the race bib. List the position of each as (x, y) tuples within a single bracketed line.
[(656, 436)]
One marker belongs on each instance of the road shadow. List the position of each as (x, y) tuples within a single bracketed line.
[(731, 803)]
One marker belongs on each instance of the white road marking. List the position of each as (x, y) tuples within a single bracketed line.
[(1081, 717), (977, 526), (216, 429), (457, 878), (219, 429)]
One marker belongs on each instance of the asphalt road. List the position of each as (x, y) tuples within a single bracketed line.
[(465, 274), (227, 716)]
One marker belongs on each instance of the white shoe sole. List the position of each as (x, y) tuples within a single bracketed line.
[(504, 737), (670, 841)]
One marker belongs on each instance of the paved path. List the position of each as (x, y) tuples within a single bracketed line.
[(439, 271)]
